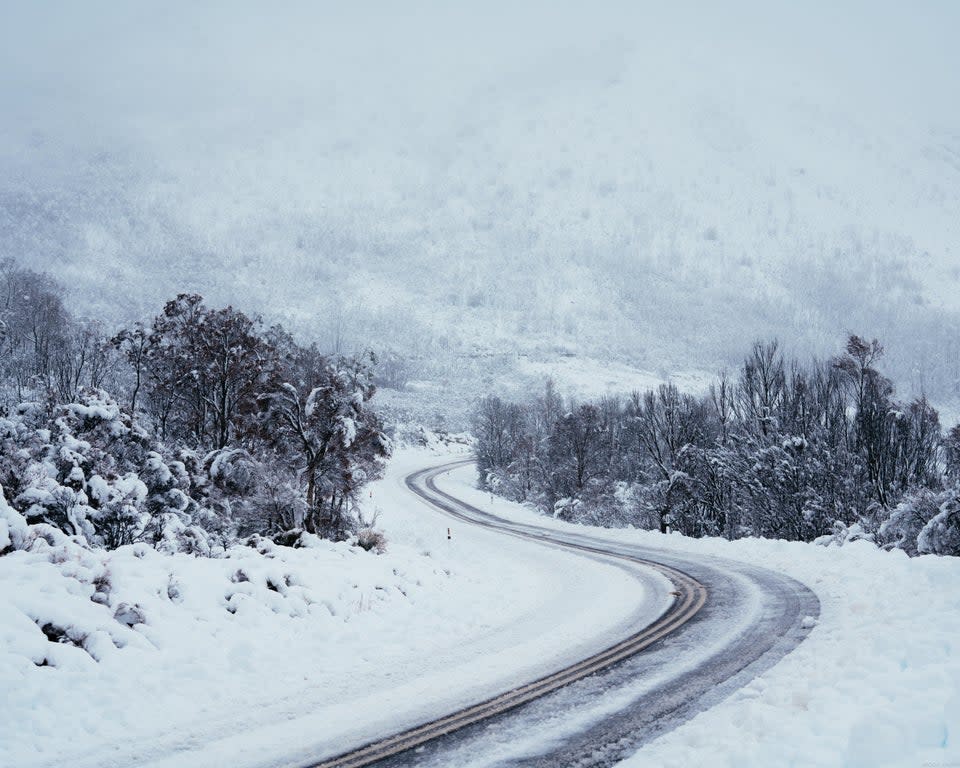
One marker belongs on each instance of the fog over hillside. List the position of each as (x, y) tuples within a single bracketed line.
[(641, 184)]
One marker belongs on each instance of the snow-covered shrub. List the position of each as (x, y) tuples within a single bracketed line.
[(501, 482), (941, 536), (295, 537), (78, 472), (844, 534), (118, 517), (232, 470), (173, 533), (129, 615), (633, 507), (372, 540), (179, 522), (908, 519), (167, 488), (279, 502), (567, 509), (598, 504), (88, 471), (230, 488), (13, 527)]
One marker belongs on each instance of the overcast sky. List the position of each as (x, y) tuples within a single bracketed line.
[(148, 72)]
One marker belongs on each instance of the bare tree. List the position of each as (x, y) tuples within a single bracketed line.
[(761, 387)]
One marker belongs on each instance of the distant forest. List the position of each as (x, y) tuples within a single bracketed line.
[(188, 431), (822, 451)]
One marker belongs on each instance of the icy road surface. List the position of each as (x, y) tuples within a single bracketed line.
[(753, 617)]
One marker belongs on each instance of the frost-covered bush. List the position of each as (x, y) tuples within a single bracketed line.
[(22, 437), (279, 501), (925, 522), (597, 504), (87, 470), (908, 519), (844, 534), (178, 521), (372, 540), (567, 509), (230, 484), (233, 471), (941, 536), (13, 527), (79, 471), (168, 486)]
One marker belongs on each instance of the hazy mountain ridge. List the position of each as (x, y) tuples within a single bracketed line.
[(651, 187)]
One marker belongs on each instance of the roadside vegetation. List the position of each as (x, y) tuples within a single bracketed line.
[(780, 449), (190, 432)]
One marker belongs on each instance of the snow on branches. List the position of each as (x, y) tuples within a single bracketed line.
[(230, 430)]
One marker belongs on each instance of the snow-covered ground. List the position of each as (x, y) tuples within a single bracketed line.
[(266, 658), (877, 682), (271, 657)]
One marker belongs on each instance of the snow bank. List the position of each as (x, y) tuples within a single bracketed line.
[(99, 648), (876, 683)]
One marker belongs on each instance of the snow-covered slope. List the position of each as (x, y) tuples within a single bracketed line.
[(645, 182), (278, 655)]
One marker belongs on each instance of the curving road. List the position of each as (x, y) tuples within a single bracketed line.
[(729, 622)]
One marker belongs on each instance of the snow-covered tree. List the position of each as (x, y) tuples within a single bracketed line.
[(788, 450), (326, 433), (203, 369)]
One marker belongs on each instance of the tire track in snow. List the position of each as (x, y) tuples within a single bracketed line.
[(601, 710), (690, 597)]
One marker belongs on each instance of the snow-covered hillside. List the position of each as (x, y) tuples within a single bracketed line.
[(634, 182)]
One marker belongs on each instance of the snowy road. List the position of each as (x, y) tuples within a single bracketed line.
[(753, 617), (355, 646)]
